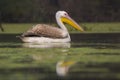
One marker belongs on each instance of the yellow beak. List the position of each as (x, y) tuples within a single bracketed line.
[(71, 22), (67, 63)]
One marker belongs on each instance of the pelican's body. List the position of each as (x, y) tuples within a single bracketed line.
[(43, 33)]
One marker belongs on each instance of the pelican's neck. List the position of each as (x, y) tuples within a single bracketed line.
[(60, 23)]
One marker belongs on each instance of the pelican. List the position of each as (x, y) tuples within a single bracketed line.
[(42, 33)]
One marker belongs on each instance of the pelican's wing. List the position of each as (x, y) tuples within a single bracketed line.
[(43, 30)]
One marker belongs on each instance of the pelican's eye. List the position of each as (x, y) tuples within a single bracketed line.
[(65, 14)]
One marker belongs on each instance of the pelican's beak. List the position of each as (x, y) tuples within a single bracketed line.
[(67, 63), (71, 22)]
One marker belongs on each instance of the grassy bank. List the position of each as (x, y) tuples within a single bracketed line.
[(88, 27)]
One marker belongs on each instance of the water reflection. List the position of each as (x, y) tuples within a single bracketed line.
[(47, 45), (62, 67), (47, 66), (95, 40)]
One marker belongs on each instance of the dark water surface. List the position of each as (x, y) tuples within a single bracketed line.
[(77, 40), (76, 37), (79, 71)]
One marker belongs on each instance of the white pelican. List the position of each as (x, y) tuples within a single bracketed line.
[(43, 33)]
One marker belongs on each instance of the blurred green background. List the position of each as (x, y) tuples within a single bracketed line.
[(12, 11)]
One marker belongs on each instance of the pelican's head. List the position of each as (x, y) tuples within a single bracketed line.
[(65, 18)]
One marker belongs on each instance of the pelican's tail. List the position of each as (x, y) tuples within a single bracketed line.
[(19, 37)]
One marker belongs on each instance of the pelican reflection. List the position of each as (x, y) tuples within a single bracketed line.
[(47, 45), (62, 67)]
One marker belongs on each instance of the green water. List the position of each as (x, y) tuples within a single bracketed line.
[(94, 60)]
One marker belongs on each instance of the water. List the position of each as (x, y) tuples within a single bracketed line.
[(72, 68), (78, 40)]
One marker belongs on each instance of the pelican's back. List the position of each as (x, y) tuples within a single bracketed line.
[(43, 30)]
